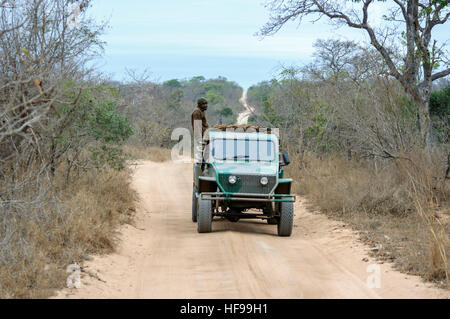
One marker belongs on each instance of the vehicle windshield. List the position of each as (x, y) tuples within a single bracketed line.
[(243, 149)]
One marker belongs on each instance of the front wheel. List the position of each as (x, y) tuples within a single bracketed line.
[(286, 219), (204, 216)]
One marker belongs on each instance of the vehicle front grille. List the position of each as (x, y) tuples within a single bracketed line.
[(247, 184)]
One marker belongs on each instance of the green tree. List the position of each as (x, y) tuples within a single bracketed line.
[(92, 123), (175, 99), (174, 83), (199, 78), (226, 111), (440, 102), (214, 98)]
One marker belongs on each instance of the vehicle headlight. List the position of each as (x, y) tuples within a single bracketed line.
[(232, 179), (264, 181)]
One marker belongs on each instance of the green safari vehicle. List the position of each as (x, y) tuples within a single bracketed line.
[(240, 176)]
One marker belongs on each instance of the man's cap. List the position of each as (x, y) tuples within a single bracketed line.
[(201, 101)]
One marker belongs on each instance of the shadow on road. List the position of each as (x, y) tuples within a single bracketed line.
[(244, 226)]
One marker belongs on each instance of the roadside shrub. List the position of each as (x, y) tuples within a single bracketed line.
[(401, 204), (59, 225)]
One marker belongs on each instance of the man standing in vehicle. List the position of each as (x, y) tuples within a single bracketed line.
[(199, 125), (199, 115)]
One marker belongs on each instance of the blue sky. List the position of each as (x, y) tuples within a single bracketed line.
[(183, 38)]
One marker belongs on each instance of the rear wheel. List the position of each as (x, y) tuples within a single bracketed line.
[(204, 216), (286, 219), (233, 219), (194, 207)]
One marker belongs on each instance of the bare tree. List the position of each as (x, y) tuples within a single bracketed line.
[(43, 71), (39, 55), (421, 57), (338, 60)]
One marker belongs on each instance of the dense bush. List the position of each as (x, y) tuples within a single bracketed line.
[(440, 113), (89, 133), (61, 133), (156, 109), (440, 102)]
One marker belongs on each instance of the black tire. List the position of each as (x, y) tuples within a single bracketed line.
[(272, 221), (204, 216), (233, 219), (286, 219), (194, 207)]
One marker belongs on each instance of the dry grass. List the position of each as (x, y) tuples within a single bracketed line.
[(438, 237), (77, 219), (399, 205), (156, 154), (57, 224)]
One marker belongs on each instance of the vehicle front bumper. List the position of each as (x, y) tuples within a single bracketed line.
[(248, 197)]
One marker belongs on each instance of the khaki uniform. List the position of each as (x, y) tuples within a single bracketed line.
[(199, 115)]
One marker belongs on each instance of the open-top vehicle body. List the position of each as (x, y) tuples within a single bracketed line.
[(239, 172)]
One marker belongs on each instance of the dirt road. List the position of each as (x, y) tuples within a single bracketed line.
[(242, 118), (163, 256)]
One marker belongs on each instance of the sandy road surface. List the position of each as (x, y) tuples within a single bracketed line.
[(163, 256), (242, 118)]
